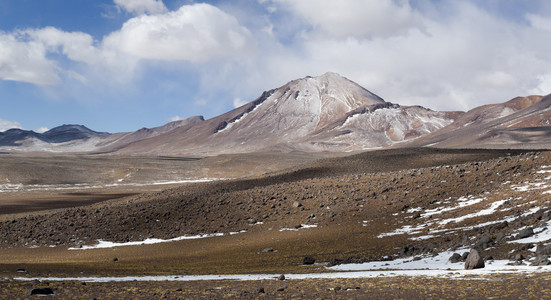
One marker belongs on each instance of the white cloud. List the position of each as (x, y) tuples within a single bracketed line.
[(41, 129), (356, 18), (5, 125), (237, 102), (140, 7), (538, 21), (195, 33), (175, 118), (455, 56), (24, 60)]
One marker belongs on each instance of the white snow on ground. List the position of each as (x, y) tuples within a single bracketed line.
[(303, 226), (461, 202), (493, 208), (429, 267), (106, 244), (542, 234), (54, 187)]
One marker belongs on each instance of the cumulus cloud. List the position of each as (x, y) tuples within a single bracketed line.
[(194, 33), (452, 55), (5, 125), (24, 60), (140, 7), (356, 18)]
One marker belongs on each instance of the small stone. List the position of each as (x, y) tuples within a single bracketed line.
[(41, 291), (281, 277), (267, 250), (281, 289), (308, 260), (474, 261), (179, 289), (297, 204), (261, 290), (115, 259)]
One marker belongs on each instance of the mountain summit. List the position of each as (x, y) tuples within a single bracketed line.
[(324, 113)]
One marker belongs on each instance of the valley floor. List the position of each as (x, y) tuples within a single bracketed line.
[(383, 210)]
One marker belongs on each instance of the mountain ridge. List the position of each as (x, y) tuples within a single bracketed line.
[(324, 113)]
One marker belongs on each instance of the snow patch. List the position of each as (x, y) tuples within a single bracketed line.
[(106, 244)]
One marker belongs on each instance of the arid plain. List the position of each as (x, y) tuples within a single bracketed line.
[(268, 216)]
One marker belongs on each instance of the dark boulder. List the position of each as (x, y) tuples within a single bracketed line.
[(474, 261), (41, 291), (308, 260), (455, 258), (526, 232)]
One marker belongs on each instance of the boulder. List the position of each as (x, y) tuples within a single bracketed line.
[(41, 291), (455, 258), (543, 250), (541, 260), (474, 261), (308, 260), (526, 232)]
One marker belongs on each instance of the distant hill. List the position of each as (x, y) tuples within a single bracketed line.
[(324, 113)]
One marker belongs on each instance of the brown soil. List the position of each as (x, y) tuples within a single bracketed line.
[(510, 286), (336, 194)]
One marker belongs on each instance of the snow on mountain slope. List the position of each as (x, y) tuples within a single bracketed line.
[(324, 113)]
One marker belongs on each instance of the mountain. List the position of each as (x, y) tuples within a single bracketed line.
[(522, 122), (62, 138), (324, 113)]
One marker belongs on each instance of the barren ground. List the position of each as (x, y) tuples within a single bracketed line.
[(366, 207)]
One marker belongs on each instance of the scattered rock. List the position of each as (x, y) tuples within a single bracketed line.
[(308, 260), (518, 257), (281, 289), (474, 261), (484, 242), (115, 259), (543, 250), (260, 290), (500, 237), (267, 250), (455, 258), (41, 291), (281, 277), (297, 204), (252, 221), (526, 232), (541, 260)]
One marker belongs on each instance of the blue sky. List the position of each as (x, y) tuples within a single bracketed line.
[(120, 65)]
